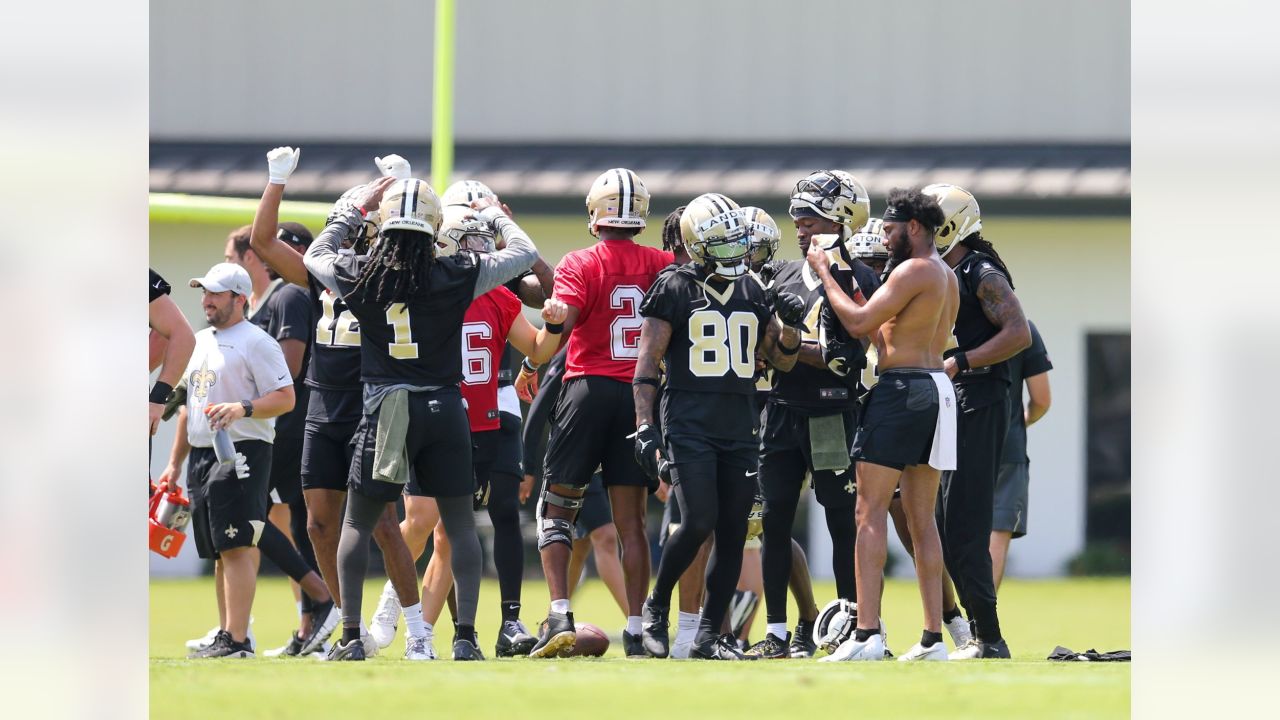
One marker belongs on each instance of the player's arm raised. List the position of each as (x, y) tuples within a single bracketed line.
[(862, 317), (539, 345), (1002, 308), (519, 253), (322, 255), (276, 253)]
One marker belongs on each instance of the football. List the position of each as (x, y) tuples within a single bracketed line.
[(592, 642)]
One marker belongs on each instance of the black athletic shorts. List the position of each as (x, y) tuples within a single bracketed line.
[(589, 427), (508, 458), (898, 424), (1012, 491), (326, 454), (439, 450), (228, 511), (484, 450), (596, 511), (785, 458), (702, 459), (286, 469)]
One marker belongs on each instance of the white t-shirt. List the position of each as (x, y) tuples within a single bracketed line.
[(241, 362)]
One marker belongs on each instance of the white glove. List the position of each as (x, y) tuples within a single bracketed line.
[(281, 163), (242, 466), (393, 166)]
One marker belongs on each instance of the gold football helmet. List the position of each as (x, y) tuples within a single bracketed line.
[(358, 239), (410, 205), (832, 194), (763, 235), (465, 192), (714, 230), (961, 216), (617, 199)]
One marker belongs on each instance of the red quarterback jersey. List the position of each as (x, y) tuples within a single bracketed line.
[(607, 283), (484, 337)]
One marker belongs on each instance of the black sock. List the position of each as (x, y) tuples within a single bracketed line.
[(929, 639), (350, 633), (952, 614), (466, 632), (510, 611), (864, 635)]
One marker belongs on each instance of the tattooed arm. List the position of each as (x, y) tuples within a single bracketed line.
[(774, 339), (655, 335), (1002, 308)]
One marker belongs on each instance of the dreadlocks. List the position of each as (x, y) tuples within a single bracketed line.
[(398, 265), (977, 243), (671, 230)]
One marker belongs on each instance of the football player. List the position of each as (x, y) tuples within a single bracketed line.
[(907, 432), (172, 341), (410, 304), (594, 416), (989, 330), (707, 321), (810, 417), (867, 245), (333, 378)]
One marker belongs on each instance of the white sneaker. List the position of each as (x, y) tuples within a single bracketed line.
[(971, 650), (318, 639), (201, 643), (419, 648), (958, 629), (938, 651), (383, 625), (870, 649), (370, 645)]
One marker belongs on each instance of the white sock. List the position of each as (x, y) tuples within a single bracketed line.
[(413, 620), (429, 629), (685, 634), (299, 608), (364, 629), (560, 606), (688, 620), (778, 630), (634, 626)]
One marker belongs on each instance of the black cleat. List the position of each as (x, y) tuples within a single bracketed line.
[(633, 645), (325, 618), (464, 649), (716, 648), (352, 650), (292, 649), (998, 650), (556, 637), (802, 644), (771, 647), (514, 640), (656, 635), (224, 646)]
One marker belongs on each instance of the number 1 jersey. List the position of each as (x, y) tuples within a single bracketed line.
[(607, 282)]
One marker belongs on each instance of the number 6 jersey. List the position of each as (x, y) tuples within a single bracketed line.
[(716, 325)]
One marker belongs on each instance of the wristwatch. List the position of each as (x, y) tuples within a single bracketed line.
[(248, 407)]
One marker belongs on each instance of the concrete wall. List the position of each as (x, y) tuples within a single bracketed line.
[(712, 70)]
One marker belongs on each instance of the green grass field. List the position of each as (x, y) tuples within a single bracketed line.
[(1036, 616)]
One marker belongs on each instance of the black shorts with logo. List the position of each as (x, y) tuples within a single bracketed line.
[(228, 511), (699, 459), (326, 454), (589, 427), (596, 511), (286, 469), (785, 457), (509, 453), (899, 421), (438, 444)]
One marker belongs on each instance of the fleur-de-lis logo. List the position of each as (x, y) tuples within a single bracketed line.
[(203, 379)]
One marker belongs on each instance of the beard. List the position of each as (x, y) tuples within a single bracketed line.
[(900, 251), (217, 317)]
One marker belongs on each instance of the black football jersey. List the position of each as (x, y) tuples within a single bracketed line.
[(806, 388), (414, 343), (977, 387), (711, 358), (334, 372)]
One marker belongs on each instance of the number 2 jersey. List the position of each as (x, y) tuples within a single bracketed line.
[(711, 357), (607, 282), (484, 339), (334, 372)]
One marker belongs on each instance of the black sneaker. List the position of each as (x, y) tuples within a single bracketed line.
[(717, 648), (802, 644), (633, 645), (998, 650), (225, 647), (464, 649), (353, 650), (771, 647), (514, 640), (556, 636), (325, 618), (292, 649), (656, 635)]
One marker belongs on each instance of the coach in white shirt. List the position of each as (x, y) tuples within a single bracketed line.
[(237, 378)]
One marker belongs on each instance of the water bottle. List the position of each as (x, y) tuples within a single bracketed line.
[(223, 448)]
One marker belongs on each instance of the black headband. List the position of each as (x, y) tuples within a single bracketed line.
[(898, 213)]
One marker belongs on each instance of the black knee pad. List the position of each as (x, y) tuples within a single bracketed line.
[(556, 530)]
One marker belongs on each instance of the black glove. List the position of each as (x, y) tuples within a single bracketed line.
[(789, 309), (649, 449), (767, 271), (841, 354)]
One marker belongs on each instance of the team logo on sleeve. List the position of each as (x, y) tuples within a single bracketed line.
[(203, 379)]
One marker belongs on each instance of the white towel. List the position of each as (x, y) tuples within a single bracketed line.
[(943, 454)]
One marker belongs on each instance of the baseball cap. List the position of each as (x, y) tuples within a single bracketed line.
[(223, 277)]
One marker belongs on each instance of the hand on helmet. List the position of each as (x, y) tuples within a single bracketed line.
[(281, 162), (368, 197)]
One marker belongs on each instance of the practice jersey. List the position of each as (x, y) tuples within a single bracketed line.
[(607, 282), (156, 286), (484, 338), (334, 369), (977, 387), (711, 357), (285, 314), (808, 389), (237, 363), (415, 343)]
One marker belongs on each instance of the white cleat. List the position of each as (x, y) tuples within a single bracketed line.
[(370, 645), (385, 617), (419, 648), (958, 629), (870, 649), (918, 652), (971, 650), (201, 643)]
